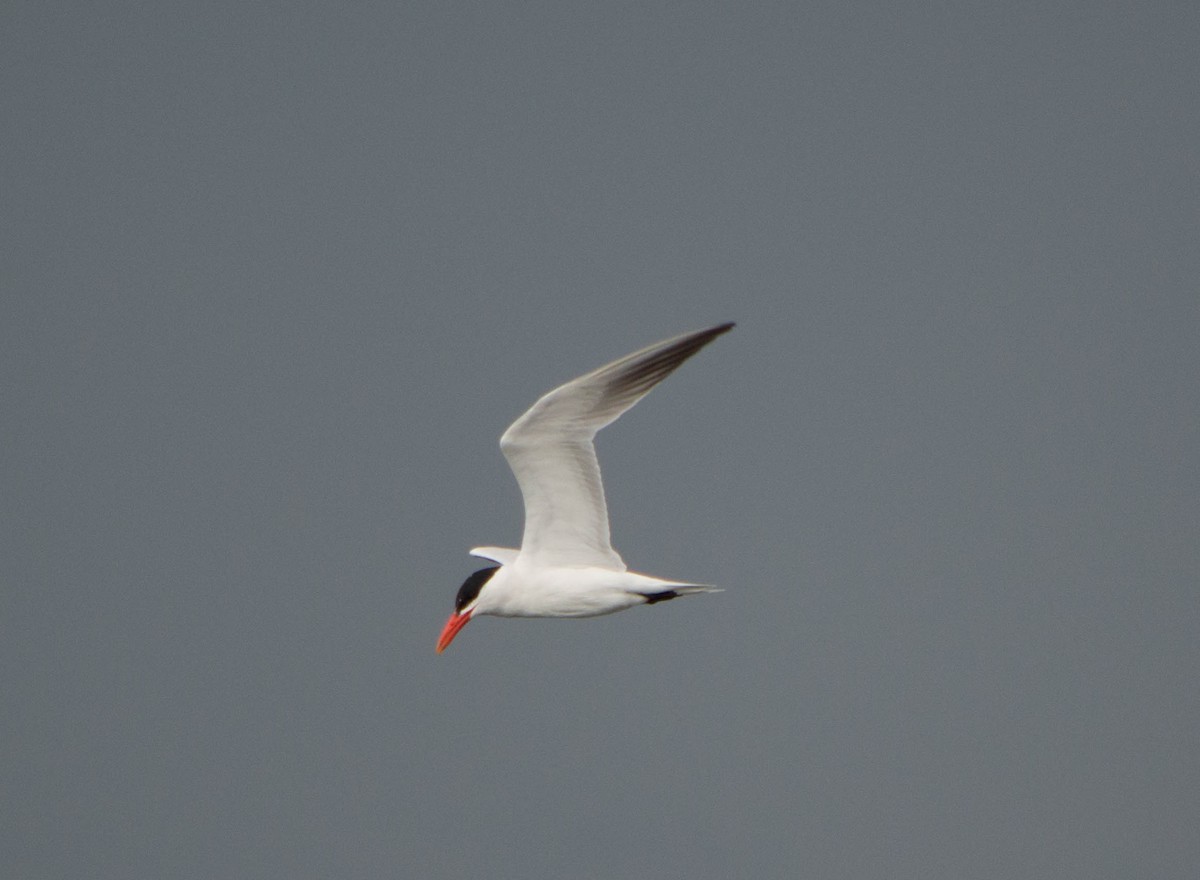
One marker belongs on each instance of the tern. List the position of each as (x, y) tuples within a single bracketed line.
[(566, 566)]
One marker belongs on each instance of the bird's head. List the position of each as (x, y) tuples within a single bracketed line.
[(464, 605)]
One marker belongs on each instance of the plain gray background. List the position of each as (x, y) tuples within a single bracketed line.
[(276, 276)]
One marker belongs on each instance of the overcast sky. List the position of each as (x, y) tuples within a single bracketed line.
[(276, 276)]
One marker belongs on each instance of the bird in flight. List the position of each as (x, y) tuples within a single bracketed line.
[(566, 566)]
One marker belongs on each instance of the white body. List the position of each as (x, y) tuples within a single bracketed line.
[(524, 590)]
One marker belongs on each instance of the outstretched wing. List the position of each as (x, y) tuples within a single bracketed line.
[(550, 451)]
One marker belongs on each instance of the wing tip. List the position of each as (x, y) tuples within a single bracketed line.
[(700, 338), (705, 336), (642, 370), (502, 555)]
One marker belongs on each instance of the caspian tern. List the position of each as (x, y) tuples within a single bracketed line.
[(566, 566)]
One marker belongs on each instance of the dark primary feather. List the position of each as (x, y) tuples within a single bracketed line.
[(641, 375)]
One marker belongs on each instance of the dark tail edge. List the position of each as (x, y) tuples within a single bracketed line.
[(664, 595), (651, 598)]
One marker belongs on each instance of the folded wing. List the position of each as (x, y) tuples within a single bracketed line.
[(550, 450)]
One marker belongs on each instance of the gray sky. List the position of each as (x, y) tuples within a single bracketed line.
[(275, 278)]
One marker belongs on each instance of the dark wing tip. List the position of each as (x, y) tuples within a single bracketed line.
[(662, 596), (693, 342), (642, 375)]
